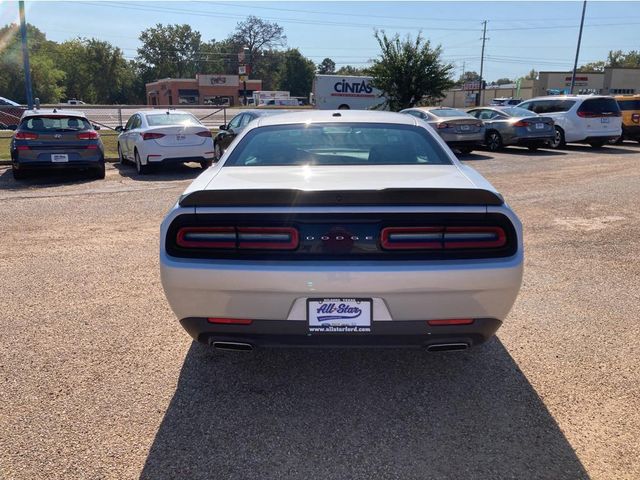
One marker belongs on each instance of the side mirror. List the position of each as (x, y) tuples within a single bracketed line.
[(96, 127), (119, 128), (223, 127)]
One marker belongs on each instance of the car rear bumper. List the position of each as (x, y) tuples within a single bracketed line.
[(179, 160), (47, 165), (532, 141), (599, 139), (282, 333), (631, 132)]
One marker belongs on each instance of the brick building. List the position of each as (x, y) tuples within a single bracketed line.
[(223, 90)]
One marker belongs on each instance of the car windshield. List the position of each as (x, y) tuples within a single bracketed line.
[(448, 112), (629, 104), (160, 119), (55, 123), (338, 144), (518, 112)]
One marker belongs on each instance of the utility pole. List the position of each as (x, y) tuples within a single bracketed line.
[(575, 63), (25, 56), (481, 86)]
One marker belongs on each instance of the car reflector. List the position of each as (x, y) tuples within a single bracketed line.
[(22, 147), (26, 136), (87, 135), (450, 321), (230, 321)]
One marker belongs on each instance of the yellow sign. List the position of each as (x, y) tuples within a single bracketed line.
[(243, 78)]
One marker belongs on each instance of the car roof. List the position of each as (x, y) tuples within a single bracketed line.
[(54, 112), (8, 100), (567, 97), (337, 116), (160, 111)]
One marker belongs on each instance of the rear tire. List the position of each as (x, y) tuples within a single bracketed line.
[(99, 172), (206, 164), (558, 141), (121, 158), (217, 152), (140, 168), (494, 141), (18, 174)]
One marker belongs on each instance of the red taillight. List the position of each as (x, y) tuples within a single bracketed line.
[(151, 136), (91, 135), (205, 133), (448, 238), (206, 237), (408, 238), (230, 321), (92, 147), (521, 123), (262, 238), (451, 321), (272, 238), (26, 136), (22, 147), (587, 114)]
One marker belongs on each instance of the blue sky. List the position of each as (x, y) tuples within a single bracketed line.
[(522, 35)]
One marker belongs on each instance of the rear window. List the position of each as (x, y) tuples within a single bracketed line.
[(601, 106), (629, 104), (448, 112), (55, 123), (549, 106), (517, 112), (158, 120), (338, 144)]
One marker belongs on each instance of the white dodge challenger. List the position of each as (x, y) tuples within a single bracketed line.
[(345, 228)]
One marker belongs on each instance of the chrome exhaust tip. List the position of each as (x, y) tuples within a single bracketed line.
[(238, 347), (447, 347)]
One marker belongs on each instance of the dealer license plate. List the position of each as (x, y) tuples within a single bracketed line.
[(339, 315), (59, 157)]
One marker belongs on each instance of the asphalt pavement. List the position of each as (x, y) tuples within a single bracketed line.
[(98, 380)]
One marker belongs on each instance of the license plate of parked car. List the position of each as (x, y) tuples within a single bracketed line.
[(604, 120), (465, 127), (339, 315), (59, 157), (180, 137), (539, 126)]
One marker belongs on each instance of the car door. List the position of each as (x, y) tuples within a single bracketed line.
[(124, 145), (234, 127)]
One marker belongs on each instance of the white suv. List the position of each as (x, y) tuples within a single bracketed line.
[(591, 119)]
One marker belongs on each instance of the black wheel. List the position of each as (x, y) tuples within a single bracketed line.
[(558, 139), (494, 141), (596, 144), (140, 168), (99, 172), (533, 148), (465, 150), (18, 174), (121, 158), (206, 164), (616, 141), (217, 152)]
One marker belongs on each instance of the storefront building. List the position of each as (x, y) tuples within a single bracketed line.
[(215, 90)]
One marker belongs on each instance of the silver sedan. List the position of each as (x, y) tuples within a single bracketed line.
[(458, 129), (514, 126)]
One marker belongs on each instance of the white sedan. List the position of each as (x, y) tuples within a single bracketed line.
[(341, 228), (159, 137)]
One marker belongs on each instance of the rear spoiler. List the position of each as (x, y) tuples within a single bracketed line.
[(300, 198)]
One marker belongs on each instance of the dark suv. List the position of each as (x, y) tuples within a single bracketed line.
[(56, 139)]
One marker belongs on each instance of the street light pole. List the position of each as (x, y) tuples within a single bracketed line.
[(25, 56), (575, 63)]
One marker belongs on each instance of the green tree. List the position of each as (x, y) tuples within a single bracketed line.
[(327, 67), (532, 75), (349, 70), (269, 67), (503, 81), (296, 74), (409, 72), (593, 66), (467, 77), (170, 51), (256, 35)]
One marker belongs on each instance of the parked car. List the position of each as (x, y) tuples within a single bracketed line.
[(51, 139), (505, 101), (342, 228), (10, 114), (592, 119), (73, 101), (152, 138), (514, 126), (459, 129), (231, 130), (630, 108)]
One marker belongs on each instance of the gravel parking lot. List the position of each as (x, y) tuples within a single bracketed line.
[(98, 380)]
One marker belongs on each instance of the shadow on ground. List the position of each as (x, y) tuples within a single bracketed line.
[(45, 179), (472, 156), (335, 414), (169, 172)]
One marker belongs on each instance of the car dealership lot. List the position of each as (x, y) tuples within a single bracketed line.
[(98, 379)]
